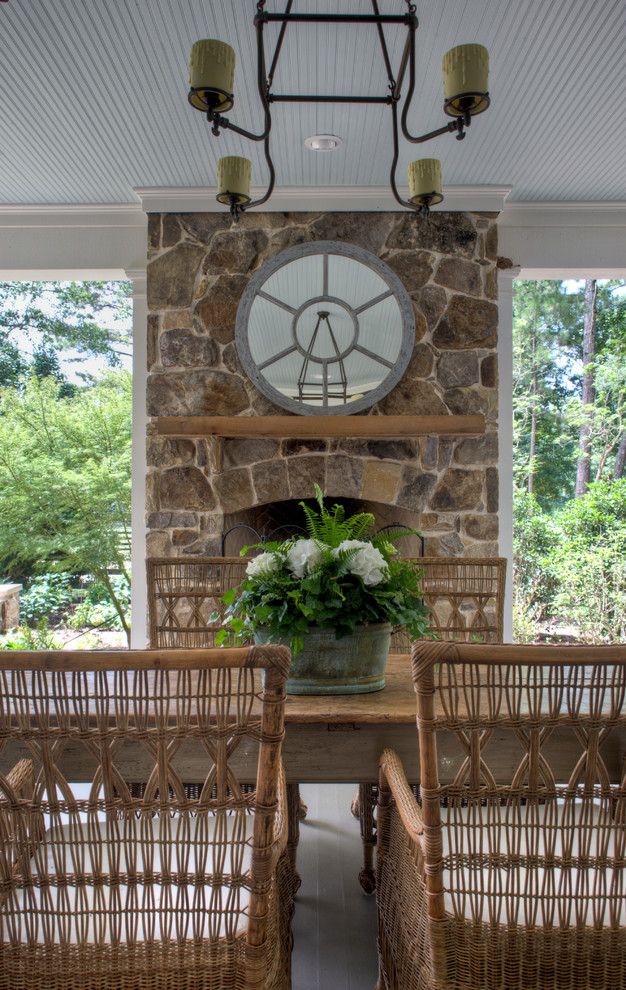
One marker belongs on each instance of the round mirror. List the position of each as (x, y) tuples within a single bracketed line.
[(325, 328)]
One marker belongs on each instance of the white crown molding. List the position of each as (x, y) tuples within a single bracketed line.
[(72, 215), (607, 213), (201, 199)]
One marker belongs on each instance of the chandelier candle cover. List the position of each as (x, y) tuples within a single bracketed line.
[(212, 75), (425, 180), (465, 70), (333, 596), (233, 180), (465, 75)]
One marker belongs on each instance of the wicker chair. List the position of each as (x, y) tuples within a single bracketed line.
[(509, 872), (107, 891), (465, 598), (183, 593)]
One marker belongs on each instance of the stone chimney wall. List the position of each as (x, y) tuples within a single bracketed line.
[(198, 268)]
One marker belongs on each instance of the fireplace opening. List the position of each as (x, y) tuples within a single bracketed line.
[(280, 520)]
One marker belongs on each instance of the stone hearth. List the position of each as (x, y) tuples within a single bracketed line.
[(198, 268)]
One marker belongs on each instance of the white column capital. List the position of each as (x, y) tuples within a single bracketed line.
[(139, 279)]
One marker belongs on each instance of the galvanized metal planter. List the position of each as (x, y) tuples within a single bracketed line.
[(354, 664)]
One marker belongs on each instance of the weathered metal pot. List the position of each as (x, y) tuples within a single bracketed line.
[(354, 664)]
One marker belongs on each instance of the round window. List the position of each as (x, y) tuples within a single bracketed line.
[(325, 328)]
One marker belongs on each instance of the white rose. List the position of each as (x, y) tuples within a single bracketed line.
[(264, 565), (367, 563), (303, 557)]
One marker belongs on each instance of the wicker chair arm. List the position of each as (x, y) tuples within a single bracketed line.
[(21, 776), (280, 834), (392, 773)]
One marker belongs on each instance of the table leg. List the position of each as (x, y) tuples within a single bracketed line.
[(366, 805), (293, 830)]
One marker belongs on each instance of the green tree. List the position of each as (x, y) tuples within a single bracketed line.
[(546, 332), (42, 321), (588, 391), (610, 380), (65, 470), (589, 560)]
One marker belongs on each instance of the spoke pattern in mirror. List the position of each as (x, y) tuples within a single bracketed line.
[(325, 328)]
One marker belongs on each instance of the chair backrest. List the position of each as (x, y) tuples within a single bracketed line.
[(182, 595), (103, 873), (523, 787), (465, 598)]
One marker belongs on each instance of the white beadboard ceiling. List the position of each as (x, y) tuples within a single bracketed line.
[(93, 99)]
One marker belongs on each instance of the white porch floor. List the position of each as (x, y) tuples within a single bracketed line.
[(334, 927)]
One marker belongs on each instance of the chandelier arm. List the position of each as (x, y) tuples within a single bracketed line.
[(279, 43), (392, 175), (219, 121), (270, 163), (264, 97), (409, 47), (454, 125), (383, 45)]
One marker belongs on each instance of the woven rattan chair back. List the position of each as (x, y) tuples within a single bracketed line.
[(521, 878), (182, 595), (465, 599), (102, 889)]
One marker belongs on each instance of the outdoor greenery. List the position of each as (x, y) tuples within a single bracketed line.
[(44, 324), (65, 463), (569, 452), (339, 577), (65, 451)]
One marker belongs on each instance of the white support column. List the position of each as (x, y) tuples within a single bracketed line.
[(139, 603), (505, 434)]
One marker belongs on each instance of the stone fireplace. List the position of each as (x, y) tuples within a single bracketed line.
[(198, 268)]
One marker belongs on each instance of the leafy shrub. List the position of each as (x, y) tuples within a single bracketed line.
[(97, 610), (25, 638), (46, 595), (590, 562), (534, 579)]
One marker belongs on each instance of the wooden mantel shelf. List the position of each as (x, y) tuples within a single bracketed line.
[(296, 427)]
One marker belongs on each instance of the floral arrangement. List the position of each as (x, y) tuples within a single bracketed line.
[(339, 577)]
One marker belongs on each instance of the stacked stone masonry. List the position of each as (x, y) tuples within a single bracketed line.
[(198, 268)]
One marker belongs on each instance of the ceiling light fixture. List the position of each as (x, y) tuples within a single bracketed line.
[(323, 142), (465, 73)]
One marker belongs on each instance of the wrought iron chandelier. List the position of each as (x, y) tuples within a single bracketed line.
[(465, 72)]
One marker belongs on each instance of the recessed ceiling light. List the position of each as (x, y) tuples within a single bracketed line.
[(323, 142)]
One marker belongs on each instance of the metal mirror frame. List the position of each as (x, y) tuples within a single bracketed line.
[(295, 253)]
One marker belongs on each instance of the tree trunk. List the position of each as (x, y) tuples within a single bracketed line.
[(533, 425), (620, 458), (583, 468)]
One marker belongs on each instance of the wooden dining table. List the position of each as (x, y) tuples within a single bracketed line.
[(332, 739)]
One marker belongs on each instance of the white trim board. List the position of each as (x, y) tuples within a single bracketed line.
[(340, 199)]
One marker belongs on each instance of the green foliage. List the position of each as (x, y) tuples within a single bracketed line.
[(534, 580), (590, 562), (339, 578), (547, 327), (534, 538), (41, 320), (97, 611), (45, 595), (65, 467), (25, 638)]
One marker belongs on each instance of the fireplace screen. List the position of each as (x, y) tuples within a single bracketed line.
[(325, 328)]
